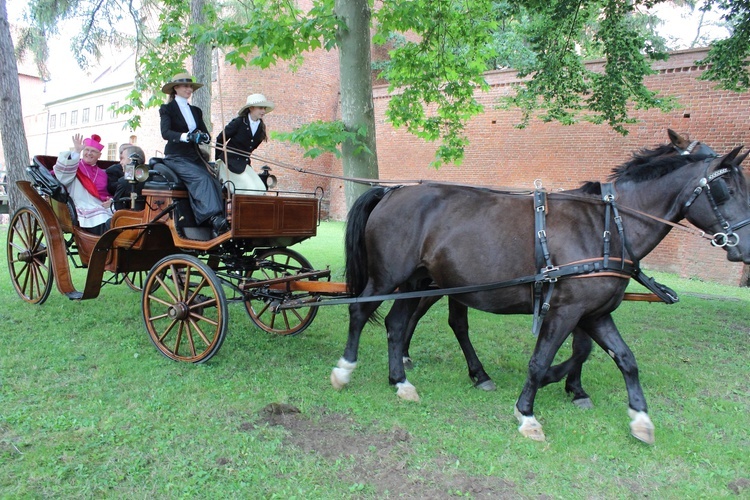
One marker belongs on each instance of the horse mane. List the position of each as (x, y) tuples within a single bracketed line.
[(645, 164), (646, 167)]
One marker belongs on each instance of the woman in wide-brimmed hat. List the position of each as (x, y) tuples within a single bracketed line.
[(244, 133), (183, 128)]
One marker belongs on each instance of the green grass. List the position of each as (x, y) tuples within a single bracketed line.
[(88, 408)]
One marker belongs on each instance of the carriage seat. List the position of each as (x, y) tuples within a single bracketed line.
[(47, 184), (162, 177)]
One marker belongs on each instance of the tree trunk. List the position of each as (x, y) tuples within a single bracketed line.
[(15, 147), (201, 64), (357, 108)]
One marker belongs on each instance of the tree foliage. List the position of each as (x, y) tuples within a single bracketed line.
[(441, 52), (727, 59)]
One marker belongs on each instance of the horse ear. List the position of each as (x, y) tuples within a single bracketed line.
[(741, 158), (728, 159), (676, 139)]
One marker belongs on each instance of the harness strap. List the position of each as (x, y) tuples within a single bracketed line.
[(609, 196), (589, 267), (543, 261)]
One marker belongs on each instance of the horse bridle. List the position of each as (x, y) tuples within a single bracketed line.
[(717, 196), (688, 150)]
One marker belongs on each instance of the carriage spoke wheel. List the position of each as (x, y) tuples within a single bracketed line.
[(260, 304), (184, 309), (28, 260)]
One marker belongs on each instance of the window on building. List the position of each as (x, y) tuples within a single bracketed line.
[(99, 113), (74, 117), (52, 121), (85, 115), (63, 120), (113, 108), (112, 151)]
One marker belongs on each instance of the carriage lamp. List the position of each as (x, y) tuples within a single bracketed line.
[(140, 173), (268, 180)]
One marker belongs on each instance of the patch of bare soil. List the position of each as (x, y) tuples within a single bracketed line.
[(380, 459)]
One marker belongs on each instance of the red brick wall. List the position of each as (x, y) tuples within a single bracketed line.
[(563, 156), (499, 154)]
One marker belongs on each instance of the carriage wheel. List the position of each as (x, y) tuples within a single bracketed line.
[(276, 263), (184, 309), (28, 259)]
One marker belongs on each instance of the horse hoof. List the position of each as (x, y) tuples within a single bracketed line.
[(584, 403), (532, 431), (530, 426), (487, 385), (408, 364), (342, 374), (407, 391), (335, 382), (641, 427)]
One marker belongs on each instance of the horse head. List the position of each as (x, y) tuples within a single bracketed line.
[(718, 204)]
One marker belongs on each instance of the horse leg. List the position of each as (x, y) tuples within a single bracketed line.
[(359, 313), (605, 333), (554, 331), (572, 368), (458, 319), (424, 305), (395, 323)]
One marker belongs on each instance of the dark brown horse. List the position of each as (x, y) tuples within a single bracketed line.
[(678, 144), (459, 236)]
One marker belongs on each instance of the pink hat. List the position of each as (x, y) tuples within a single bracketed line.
[(93, 142)]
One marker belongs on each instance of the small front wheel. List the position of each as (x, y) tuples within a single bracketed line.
[(184, 309), (28, 257), (273, 264), (135, 279)]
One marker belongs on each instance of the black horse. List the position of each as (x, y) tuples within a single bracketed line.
[(458, 236), (678, 145)]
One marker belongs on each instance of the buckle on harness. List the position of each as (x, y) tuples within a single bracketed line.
[(547, 270)]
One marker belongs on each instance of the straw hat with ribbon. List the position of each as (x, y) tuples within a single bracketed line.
[(181, 79), (257, 101)]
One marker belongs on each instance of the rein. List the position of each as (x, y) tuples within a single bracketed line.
[(718, 239)]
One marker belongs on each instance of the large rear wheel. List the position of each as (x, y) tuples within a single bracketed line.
[(184, 309), (28, 260), (260, 302)]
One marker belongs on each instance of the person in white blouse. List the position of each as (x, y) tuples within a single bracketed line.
[(183, 128), (242, 136)]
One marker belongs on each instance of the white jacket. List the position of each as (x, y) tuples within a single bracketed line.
[(89, 208)]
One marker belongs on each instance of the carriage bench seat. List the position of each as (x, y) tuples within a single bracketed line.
[(46, 183), (162, 177)]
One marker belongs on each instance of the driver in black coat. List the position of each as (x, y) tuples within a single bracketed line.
[(183, 128)]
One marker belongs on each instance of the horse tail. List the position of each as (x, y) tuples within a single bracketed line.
[(356, 251)]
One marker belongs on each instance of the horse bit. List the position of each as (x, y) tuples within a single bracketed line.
[(727, 238)]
